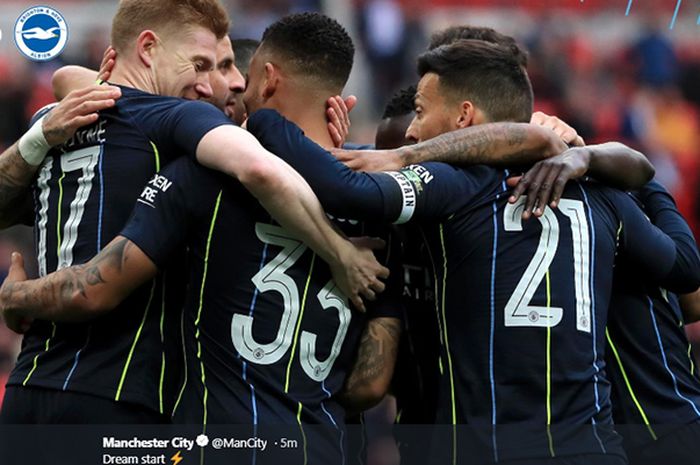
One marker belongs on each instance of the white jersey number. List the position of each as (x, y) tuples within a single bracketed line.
[(273, 277), (84, 160), (518, 311)]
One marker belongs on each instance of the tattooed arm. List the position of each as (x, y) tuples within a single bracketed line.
[(495, 144), (371, 374), (15, 177), (79, 292)]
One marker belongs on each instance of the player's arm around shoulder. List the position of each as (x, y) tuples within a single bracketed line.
[(76, 293), (370, 377), (237, 153), (290, 201), (495, 144), (612, 163), (67, 79)]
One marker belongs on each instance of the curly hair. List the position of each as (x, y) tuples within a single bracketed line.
[(401, 103), (314, 45)]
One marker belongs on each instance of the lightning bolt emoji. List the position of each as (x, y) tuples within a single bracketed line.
[(176, 458)]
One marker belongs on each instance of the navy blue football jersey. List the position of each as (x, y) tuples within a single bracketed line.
[(269, 338), (650, 363), (83, 194), (418, 363), (522, 306)]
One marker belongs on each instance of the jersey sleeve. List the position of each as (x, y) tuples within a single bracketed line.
[(179, 125), (434, 190), (424, 191), (166, 208), (43, 111), (662, 211), (648, 248)]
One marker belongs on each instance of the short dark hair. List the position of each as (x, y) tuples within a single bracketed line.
[(314, 44), (244, 49), (401, 103), (484, 73), (454, 33)]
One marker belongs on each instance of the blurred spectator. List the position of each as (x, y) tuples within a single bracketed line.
[(690, 77), (386, 37), (92, 49), (15, 89), (655, 56), (244, 49), (253, 16)]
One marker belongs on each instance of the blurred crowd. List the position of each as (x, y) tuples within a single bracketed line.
[(639, 85)]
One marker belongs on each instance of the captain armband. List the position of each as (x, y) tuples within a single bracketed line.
[(408, 196)]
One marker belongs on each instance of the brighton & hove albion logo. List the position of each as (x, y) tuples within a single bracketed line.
[(41, 33)]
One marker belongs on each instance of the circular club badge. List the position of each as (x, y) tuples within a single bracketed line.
[(41, 33)]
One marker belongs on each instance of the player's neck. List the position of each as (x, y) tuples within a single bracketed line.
[(128, 76), (311, 118)]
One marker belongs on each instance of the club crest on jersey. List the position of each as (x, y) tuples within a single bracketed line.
[(41, 33)]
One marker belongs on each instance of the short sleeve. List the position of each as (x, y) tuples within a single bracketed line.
[(179, 125), (424, 191), (166, 208)]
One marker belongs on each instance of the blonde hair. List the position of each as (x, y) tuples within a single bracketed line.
[(135, 16)]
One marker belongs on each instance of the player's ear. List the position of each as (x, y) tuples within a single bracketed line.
[(271, 81), (145, 45), (466, 114)]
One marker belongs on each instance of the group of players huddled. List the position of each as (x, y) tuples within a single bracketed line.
[(208, 255)]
